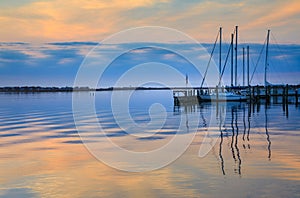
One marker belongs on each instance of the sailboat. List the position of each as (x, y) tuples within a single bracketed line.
[(221, 94)]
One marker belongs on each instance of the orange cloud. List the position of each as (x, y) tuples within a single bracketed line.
[(279, 15), (64, 20), (60, 20)]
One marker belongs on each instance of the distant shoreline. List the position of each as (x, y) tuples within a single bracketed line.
[(39, 89)]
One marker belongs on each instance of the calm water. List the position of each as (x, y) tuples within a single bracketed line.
[(257, 151)]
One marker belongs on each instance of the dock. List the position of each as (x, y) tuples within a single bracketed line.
[(276, 94)]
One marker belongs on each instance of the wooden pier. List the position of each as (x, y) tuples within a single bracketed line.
[(277, 94), (186, 96)]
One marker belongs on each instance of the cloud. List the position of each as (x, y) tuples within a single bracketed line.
[(140, 51), (7, 54), (57, 64), (65, 61), (278, 15), (73, 43), (169, 56), (44, 64), (58, 20)]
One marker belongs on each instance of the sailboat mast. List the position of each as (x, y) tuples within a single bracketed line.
[(232, 35), (220, 54), (267, 54), (248, 64), (236, 49), (243, 66)]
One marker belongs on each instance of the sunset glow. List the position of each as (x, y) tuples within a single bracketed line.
[(58, 20)]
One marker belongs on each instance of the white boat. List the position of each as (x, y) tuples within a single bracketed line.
[(222, 96)]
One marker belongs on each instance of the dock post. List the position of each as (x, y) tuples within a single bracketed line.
[(296, 97), (283, 94), (275, 94), (253, 94), (217, 101), (250, 93), (258, 93), (287, 101), (217, 92), (283, 98), (268, 94), (287, 93)]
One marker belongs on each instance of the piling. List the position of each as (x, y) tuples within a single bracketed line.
[(283, 99), (253, 93), (268, 94), (287, 101), (257, 93), (275, 94), (283, 95), (286, 93), (296, 97), (250, 93), (217, 92)]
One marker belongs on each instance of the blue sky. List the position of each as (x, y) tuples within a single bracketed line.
[(56, 64)]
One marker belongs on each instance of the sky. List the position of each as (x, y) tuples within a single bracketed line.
[(59, 20), (44, 42), (56, 64)]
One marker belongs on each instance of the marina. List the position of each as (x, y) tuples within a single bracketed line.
[(275, 93), (220, 93)]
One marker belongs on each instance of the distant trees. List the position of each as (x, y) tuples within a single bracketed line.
[(40, 89)]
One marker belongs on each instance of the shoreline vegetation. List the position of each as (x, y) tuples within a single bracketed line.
[(37, 89)]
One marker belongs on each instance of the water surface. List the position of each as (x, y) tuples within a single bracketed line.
[(256, 154)]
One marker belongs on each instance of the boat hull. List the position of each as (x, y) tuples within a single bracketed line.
[(223, 98)]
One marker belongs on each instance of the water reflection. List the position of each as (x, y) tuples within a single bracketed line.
[(239, 118), (267, 133), (256, 151), (220, 153)]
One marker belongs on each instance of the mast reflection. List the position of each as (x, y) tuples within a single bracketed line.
[(267, 133), (236, 144), (234, 129)]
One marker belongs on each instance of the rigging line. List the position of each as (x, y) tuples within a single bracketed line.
[(260, 54), (226, 60), (252, 63), (281, 52), (211, 54), (277, 45), (275, 71)]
